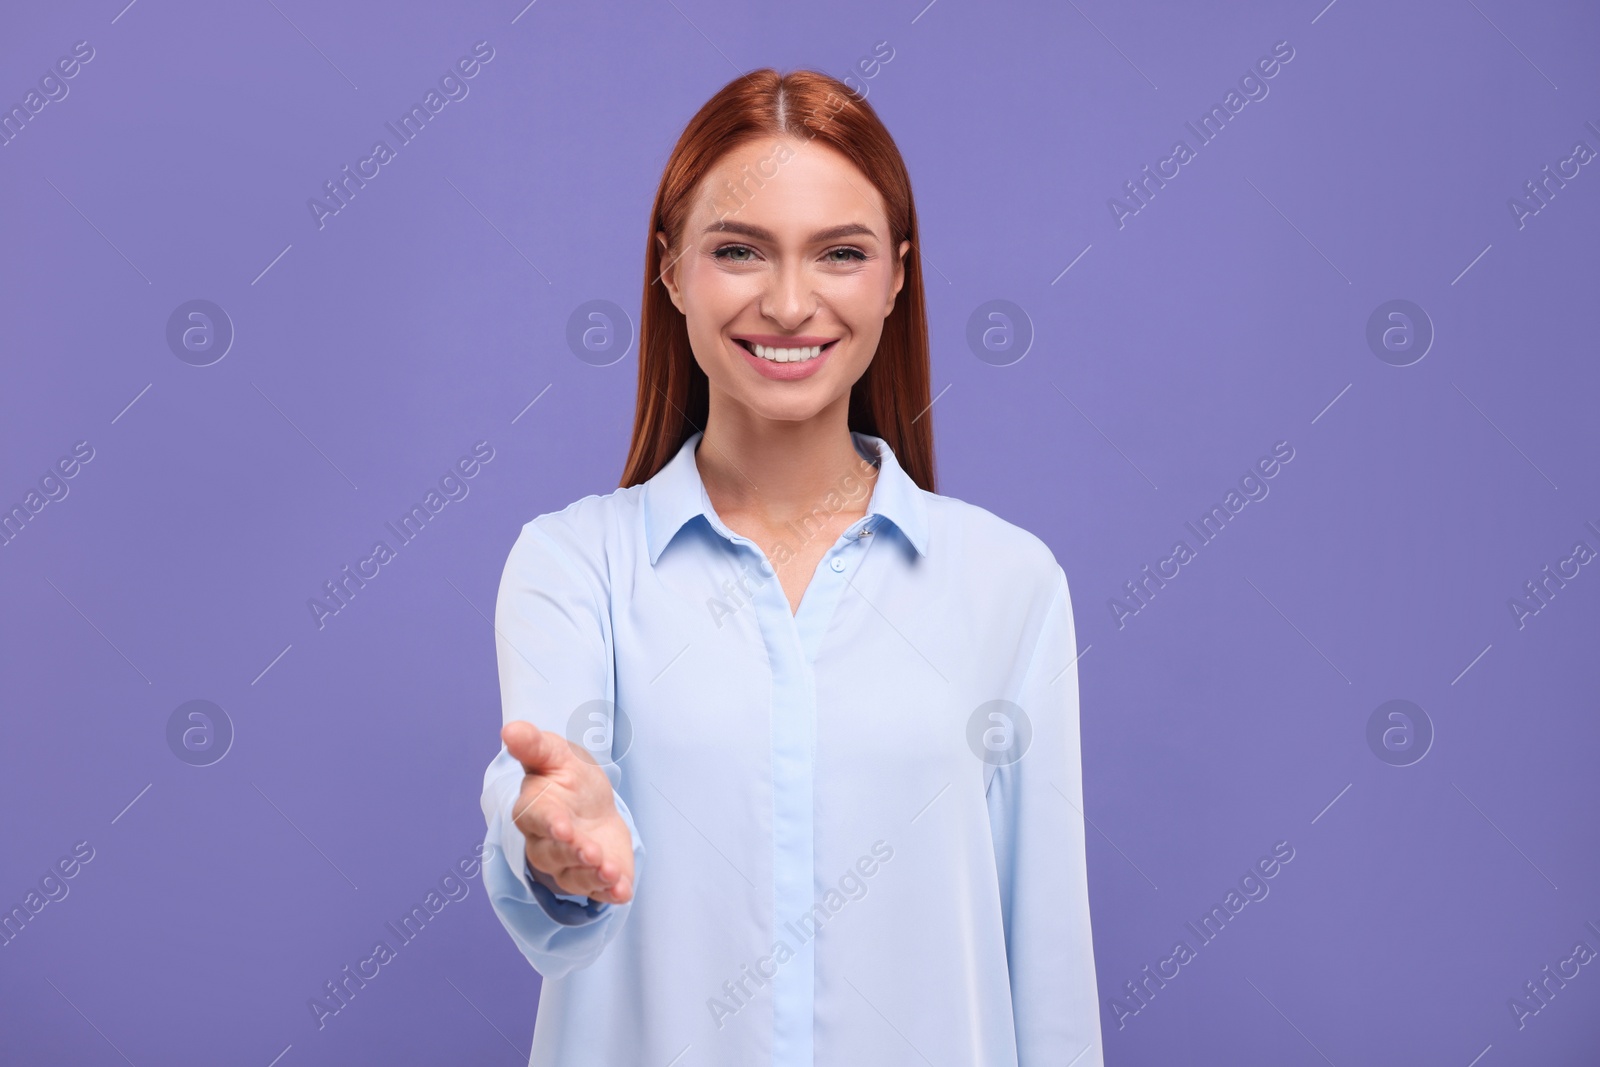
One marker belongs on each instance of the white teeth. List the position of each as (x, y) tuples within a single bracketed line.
[(786, 355)]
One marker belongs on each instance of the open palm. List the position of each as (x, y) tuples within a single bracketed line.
[(577, 840)]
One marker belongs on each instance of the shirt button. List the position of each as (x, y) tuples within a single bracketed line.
[(837, 563)]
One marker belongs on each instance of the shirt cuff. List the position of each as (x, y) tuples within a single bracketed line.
[(568, 909)]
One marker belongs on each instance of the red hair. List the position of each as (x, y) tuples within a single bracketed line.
[(886, 402)]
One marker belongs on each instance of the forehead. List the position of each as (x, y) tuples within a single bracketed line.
[(789, 186)]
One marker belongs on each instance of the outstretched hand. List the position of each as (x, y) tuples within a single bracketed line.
[(577, 840)]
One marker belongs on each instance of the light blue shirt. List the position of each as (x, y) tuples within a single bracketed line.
[(857, 827)]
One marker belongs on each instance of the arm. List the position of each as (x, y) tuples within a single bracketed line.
[(554, 654), (1035, 813)]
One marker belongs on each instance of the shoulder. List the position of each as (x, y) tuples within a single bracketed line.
[(591, 518), (585, 538), (990, 546), (1010, 581)]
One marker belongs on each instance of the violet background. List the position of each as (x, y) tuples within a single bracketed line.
[(370, 354)]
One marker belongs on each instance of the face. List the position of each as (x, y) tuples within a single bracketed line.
[(786, 283)]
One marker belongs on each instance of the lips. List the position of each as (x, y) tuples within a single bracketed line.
[(790, 371)]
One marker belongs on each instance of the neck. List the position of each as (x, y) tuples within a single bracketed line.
[(777, 471)]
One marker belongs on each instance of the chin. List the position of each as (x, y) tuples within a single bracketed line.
[(790, 409)]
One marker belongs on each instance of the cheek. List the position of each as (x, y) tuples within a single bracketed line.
[(860, 304), (860, 295), (715, 297)]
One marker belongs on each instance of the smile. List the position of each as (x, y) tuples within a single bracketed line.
[(783, 355)]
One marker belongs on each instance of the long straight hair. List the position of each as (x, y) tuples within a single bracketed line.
[(891, 399)]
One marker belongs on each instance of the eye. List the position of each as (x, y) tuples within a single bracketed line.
[(723, 253), (852, 254)]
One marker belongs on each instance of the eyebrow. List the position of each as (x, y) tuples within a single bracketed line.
[(761, 233)]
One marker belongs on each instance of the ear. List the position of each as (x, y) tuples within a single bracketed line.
[(899, 275), (669, 273)]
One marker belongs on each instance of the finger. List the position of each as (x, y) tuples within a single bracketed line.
[(596, 853), (551, 854), (588, 882), (581, 880), (539, 751), (561, 847), (613, 877), (620, 893)]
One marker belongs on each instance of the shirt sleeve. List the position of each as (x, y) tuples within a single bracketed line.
[(1035, 812), (554, 654)]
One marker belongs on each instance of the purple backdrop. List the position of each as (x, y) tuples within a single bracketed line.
[(1378, 260)]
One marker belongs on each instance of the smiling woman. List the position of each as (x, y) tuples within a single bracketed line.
[(906, 688)]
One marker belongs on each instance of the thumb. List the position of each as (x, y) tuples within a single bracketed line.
[(539, 751)]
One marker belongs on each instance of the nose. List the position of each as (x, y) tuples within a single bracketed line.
[(788, 300)]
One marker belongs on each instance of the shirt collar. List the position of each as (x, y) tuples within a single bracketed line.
[(676, 494)]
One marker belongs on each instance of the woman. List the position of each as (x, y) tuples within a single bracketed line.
[(832, 818)]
